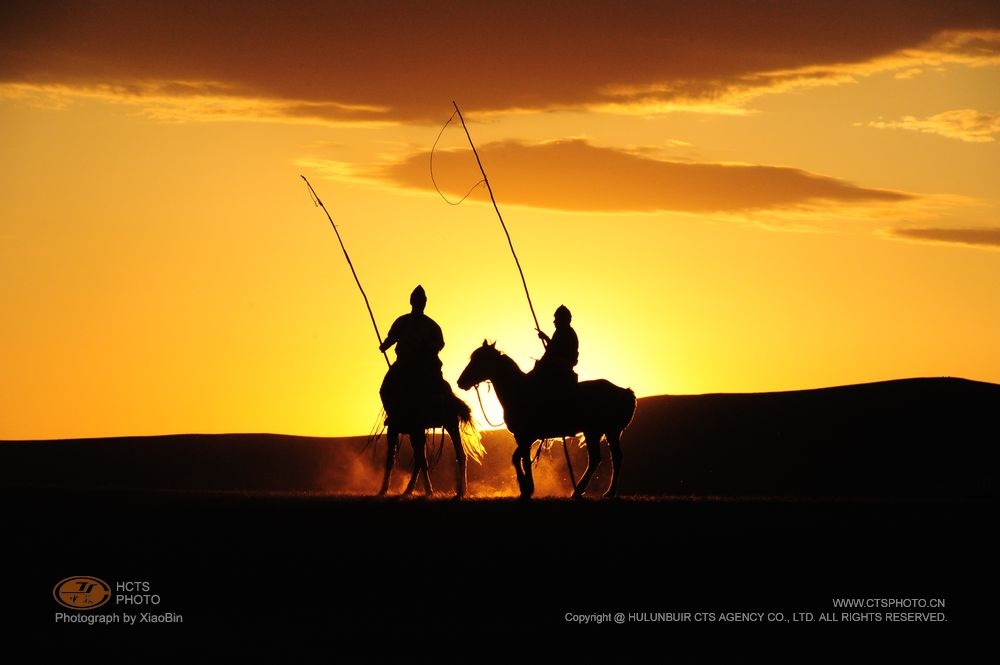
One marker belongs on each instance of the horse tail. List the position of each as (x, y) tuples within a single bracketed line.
[(472, 440), (624, 405)]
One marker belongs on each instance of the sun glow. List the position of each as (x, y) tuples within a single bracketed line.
[(749, 216)]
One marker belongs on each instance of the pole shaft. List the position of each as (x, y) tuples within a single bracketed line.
[(351, 265), (507, 233)]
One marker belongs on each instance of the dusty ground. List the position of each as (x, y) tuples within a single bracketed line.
[(310, 578)]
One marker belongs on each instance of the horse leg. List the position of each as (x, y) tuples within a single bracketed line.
[(516, 461), (418, 440), (415, 469), (460, 457), (593, 440), (615, 444), (392, 448), (522, 466), (529, 481), (425, 473)]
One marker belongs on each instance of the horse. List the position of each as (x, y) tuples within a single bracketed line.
[(596, 409), (445, 410)]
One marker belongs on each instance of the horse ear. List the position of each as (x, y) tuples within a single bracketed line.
[(485, 343), (493, 345)]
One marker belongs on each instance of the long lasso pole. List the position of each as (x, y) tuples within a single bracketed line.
[(516, 261), (319, 202), (507, 233)]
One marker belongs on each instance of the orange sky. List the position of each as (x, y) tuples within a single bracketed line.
[(729, 196)]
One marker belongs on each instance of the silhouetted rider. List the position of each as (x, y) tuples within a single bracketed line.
[(417, 371), (562, 351)]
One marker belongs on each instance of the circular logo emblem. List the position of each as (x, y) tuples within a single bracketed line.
[(82, 593)]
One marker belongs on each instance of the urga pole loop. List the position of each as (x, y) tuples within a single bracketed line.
[(494, 201), (516, 261), (319, 202)]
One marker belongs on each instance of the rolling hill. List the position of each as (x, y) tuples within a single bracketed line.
[(908, 438)]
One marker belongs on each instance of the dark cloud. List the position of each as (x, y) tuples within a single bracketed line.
[(984, 237), (574, 175), (408, 60)]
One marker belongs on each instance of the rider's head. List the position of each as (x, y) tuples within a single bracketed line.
[(418, 299), (563, 316)]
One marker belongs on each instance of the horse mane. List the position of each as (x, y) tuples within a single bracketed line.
[(507, 359)]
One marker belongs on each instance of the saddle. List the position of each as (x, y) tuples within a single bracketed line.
[(413, 399), (554, 392)]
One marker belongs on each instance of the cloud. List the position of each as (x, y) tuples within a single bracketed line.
[(962, 124), (406, 60), (981, 237), (574, 175)]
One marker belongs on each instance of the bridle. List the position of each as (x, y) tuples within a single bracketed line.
[(482, 408)]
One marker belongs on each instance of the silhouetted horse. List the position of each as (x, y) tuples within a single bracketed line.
[(595, 408), (428, 412)]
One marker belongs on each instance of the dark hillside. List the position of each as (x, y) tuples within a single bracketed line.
[(914, 438)]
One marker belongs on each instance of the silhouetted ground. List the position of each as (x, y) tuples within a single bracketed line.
[(268, 548), (306, 578), (934, 437), (914, 438)]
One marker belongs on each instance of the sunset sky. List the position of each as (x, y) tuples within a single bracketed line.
[(729, 196)]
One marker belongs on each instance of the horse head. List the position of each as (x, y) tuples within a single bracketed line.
[(482, 364)]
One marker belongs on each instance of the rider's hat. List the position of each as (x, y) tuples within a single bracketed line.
[(418, 296)]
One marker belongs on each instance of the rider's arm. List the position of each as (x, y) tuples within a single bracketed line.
[(391, 338)]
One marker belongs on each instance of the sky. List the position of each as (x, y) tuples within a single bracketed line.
[(728, 196)]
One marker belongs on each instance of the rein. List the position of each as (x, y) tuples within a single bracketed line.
[(481, 408), (377, 430), (430, 444)]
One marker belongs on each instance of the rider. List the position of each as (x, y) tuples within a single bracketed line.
[(562, 351), (418, 340)]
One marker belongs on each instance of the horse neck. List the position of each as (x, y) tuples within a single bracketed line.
[(508, 378)]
